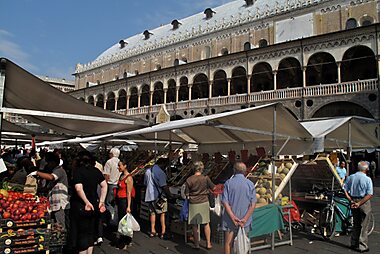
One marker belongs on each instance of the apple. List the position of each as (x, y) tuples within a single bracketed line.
[(6, 215)]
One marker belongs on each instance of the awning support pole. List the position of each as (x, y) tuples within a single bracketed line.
[(349, 148), (2, 92), (274, 134)]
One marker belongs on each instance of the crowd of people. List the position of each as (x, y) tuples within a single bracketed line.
[(85, 197)]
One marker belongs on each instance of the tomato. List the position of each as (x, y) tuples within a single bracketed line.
[(6, 215)]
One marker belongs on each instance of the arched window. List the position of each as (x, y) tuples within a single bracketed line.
[(110, 101), (351, 23), (366, 20), (122, 100), (224, 52), (263, 43), (133, 100), (247, 46)]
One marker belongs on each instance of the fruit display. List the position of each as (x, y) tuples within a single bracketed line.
[(17, 207), (183, 173), (262, 177), (24, 223)]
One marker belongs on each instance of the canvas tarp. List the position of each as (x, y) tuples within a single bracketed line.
[(47, 106), (343, 132)]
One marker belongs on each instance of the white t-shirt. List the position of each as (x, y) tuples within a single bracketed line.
[(111, 169)]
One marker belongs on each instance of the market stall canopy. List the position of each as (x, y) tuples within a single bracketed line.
[(343, 132), (27, 95), (236, 130), (13, 134)]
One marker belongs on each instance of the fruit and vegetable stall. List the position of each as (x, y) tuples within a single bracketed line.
[(25, 225)]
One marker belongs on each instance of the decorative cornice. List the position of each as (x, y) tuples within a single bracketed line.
[(275, 54), (337, 43)]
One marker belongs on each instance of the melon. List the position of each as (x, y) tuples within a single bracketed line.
[(262, 191), (285, 171), (288, 165), (262, 201), (282, 175)]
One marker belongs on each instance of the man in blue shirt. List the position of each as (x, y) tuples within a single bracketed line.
[(239, 201), (359, 190), (341, 170), (155, 181)]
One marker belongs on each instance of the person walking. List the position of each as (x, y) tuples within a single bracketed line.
[(125, 194), (85, 204), (239, 201), (197, 188), (359, 190), (112, 174), (156, 185)]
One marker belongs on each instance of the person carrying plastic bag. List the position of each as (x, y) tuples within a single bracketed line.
[(241, 242)]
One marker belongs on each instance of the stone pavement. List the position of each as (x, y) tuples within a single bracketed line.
[(303, 242)]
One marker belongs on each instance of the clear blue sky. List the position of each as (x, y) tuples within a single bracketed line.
[(49, 37)]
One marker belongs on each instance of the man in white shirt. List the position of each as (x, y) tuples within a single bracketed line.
[(112, 174)]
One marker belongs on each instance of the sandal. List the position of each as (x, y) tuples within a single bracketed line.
[(153, 234)]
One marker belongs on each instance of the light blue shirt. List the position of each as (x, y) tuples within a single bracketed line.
[(239, 193), (154, 180), (341, 172), (358, 185)]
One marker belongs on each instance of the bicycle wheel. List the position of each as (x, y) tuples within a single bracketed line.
[(327, 223), (371, 224)]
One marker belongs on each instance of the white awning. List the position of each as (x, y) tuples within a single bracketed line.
[(343, 132), (37, 101)]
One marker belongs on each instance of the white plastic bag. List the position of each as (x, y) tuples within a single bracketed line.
[(127, 225), (241, 242), (218, 206)]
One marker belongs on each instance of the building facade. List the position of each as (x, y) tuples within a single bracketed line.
[(319, 58)]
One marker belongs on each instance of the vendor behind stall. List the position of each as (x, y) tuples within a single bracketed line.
[(58, 189)]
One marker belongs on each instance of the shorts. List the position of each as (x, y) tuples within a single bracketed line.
[(154, 209)]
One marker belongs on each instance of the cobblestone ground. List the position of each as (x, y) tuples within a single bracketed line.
[(303, 242)]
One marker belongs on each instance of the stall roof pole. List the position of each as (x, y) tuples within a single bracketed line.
[(274, 135), (349, 148), (2, 90)]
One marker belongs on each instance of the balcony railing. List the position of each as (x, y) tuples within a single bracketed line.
[(266, 96)]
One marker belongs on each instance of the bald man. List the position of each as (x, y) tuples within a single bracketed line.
[(239, 201)]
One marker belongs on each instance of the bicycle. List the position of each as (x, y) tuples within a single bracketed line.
[(327, 220)]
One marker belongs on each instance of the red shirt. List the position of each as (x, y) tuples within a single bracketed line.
[(122, 190)]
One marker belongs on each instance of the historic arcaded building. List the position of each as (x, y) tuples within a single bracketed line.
[(318, 57)]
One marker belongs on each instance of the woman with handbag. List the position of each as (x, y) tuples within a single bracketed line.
[(125, 195), (197, 190)]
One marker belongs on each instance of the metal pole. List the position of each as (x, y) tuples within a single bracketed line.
[(273, 163), (2, 90), (349, 148)]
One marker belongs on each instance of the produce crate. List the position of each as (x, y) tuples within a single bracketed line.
[(10, 233), (37, 248), (11, 224), (58, 235), (23, 241)]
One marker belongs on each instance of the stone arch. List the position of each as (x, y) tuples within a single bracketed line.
[(247, 46), (176, 117), (366, 20), (263, 43), (220, 84), (183, 92), (292, 113), (239, 82), (110, 101), (100, 101), (358, 62), (145, 96), (262, 77), (200, 88), (158, 93), (171, 93), (224, 51), (198, 115), (342, 108), (321, 69), (122, 100), (134, 97), (81, 98), (289, 73), (351, 23), (90, 100)]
